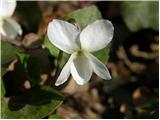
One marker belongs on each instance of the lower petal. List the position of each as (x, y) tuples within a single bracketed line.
[(99, 68), (65, 72), (81, 70)]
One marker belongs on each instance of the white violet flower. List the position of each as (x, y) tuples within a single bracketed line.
[(79, 44), (9, 28)]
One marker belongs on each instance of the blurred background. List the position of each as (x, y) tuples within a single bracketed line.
[(133, 62)]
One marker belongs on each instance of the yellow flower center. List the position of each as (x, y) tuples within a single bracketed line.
[(81, 53)]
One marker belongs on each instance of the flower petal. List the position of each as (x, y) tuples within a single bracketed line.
[(65, 71), (7, 8), (96, 35), (81, 70), (10, 28), (63, 35), (99, 68)]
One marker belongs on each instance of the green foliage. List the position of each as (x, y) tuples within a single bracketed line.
[(103, 54), (52, 49), (32, 66), (8, 53), (3, 70), (83, 17), (23, 58), (55, 52), (35, 103), (2, 88), (140, 14)]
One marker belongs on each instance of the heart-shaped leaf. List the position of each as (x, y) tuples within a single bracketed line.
[(8, 53), (84, 16), (35, 103)]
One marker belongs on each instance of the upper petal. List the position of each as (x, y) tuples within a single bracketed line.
[(63, 35), (96, 35), (10, 28), (99, 68), (65, 71), (81, 70), (7, 8)]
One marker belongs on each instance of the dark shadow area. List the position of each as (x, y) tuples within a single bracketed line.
[(35, 96), (14, 81)]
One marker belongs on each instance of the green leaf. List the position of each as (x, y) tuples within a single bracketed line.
[(32, 66), (3, 70), (103, 54), (54, 51), (8, 53), (84, 16), (55, 116), (34, 69), (23, 58), (2, 93), (35, 103), (2, 88), (141, 14)]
